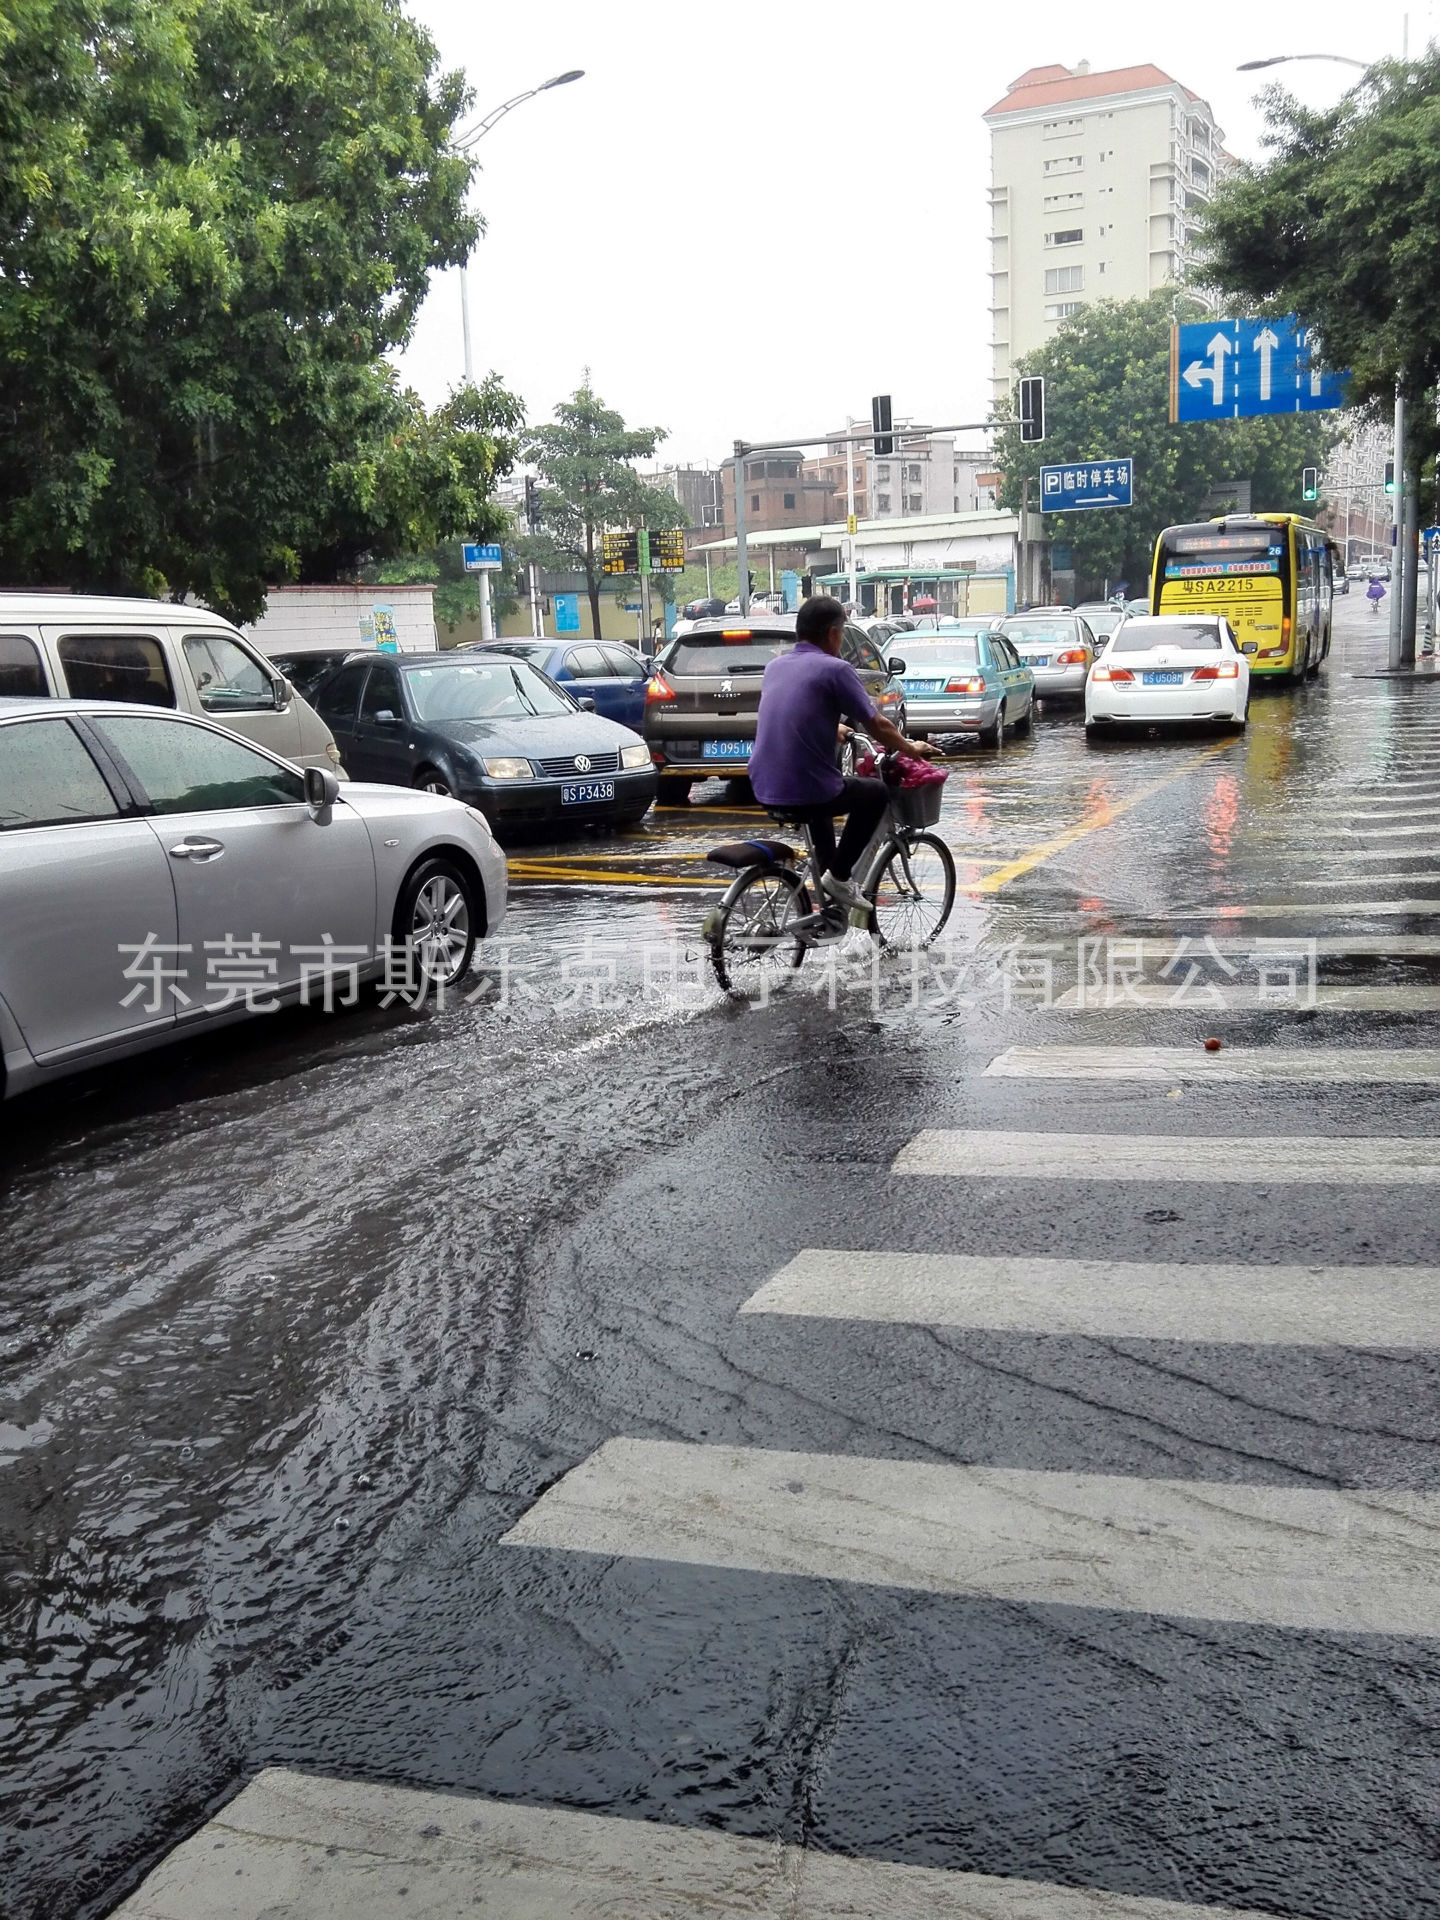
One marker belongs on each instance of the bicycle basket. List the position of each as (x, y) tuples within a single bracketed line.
[(916, 806)]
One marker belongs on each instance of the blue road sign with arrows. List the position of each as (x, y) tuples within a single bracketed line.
[(1087, 483), (1226, 369)]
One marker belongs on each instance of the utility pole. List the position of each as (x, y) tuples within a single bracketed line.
[(1412, 572), (1397, 547), (487, 617), (742, 551), (850, 506)]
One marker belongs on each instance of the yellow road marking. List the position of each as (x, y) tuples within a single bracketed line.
[(1047, 849), (541, 875)]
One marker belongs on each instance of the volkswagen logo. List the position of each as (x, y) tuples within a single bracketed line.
[(582, 763)]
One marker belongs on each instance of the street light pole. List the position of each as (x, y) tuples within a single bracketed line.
[(466, 143)]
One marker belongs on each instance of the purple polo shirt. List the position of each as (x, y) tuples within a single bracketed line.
[(802, 697)]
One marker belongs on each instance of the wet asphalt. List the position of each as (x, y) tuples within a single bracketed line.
[(296, 1321)]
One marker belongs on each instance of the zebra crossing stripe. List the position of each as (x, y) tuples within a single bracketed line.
[(1376, 1307), (296, 1843), (1312, 1558), (1337, 1066), (1282, 1160), (1164, 996)]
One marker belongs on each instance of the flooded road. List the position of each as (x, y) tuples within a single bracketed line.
[(302, 1325)]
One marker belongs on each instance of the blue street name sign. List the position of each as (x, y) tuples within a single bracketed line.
[(481, 559), (1087, 483), (1226, 369)]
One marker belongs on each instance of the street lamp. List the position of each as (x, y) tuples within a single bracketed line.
[(465, 143), (1279, 60)]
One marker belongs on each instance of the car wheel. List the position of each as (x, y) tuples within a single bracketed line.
[(428, 780), (994, 734), (435, 918), (673, 791)]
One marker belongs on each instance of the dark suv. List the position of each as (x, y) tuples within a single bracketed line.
[(704, 695)]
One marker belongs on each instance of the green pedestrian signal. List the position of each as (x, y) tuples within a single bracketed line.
[(1310, 484), (1389, 476)]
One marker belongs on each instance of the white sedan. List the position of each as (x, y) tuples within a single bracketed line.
[(159, 874), (1169, 667)]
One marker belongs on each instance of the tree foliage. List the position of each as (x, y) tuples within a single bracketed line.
[(588, 483), (216, 219), (1107, 376), (1340, 226)]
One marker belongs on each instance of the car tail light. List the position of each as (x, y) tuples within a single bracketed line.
[(1227, 670), (736, 633), (658, 688), (1111, 673), (1072, 657), (964, 686), (1285, 633)]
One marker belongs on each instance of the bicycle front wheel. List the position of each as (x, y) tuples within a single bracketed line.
[(753, 948), (914, 892)]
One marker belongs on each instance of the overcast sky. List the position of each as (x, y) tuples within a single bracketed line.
[(664, 220)]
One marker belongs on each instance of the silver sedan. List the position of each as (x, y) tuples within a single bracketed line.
[(159, 874), (1058, 648)]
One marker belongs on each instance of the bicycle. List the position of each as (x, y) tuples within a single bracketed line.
[(767, 920)]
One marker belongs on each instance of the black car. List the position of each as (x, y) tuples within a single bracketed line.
[(305, 671), (489, 729)]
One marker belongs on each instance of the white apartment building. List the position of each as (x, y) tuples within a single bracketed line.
[(1095, 179), (927, 477)]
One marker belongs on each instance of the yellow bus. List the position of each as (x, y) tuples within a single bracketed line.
[(1270, 574)]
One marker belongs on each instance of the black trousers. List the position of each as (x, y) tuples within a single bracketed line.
[(863, 803)]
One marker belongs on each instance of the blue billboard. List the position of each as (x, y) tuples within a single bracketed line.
[(1229, 369), (1087, 483)]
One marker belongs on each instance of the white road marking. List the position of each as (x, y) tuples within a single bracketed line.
[(1382, 833), (1161, 995), (1278, 1160), (1413, 1066), (1227, 914), (1350, 1562), (293, 1843), (1427, 813), (1113, 1299)]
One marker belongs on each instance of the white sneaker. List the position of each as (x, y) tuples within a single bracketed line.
[(844, 893)]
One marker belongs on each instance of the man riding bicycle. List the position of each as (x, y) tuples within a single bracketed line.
[(805, 695)]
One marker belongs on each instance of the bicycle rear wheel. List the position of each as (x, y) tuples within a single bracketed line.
[(914, 891), (752, 949)]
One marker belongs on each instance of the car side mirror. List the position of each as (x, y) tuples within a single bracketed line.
[(897, 665), (585, 703), (322, 789), (282, 690), (385, 718)]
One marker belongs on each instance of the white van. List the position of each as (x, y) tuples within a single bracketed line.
[(87, 647)]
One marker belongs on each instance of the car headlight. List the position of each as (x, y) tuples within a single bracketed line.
[(508, 769), (636, 756)]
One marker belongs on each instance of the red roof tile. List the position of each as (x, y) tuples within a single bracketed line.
[(1053, 86)]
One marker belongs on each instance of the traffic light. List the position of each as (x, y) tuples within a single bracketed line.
[(1031, 408), (1310, 484), (532, 504), (1389, 476), (880, 421)]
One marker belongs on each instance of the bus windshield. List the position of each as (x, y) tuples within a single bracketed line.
[(1204, 554)]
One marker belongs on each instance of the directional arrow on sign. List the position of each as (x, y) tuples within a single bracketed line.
[(1265, 343), (1197, 371)]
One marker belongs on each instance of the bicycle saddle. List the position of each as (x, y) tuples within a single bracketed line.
[(747, 853)]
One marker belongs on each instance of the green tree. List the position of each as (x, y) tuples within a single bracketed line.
[(216, 219), (587, 484), (1107, 377), (1340, 225)]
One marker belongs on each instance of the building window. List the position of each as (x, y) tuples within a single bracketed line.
[(755, 503), (789, 503), (912, 474), (917, 505), (1062, 202), (882, 503), (956, 507), (1065, 163), (1062, 309), (1065, 237), (1061, 129), (1064, 279)]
